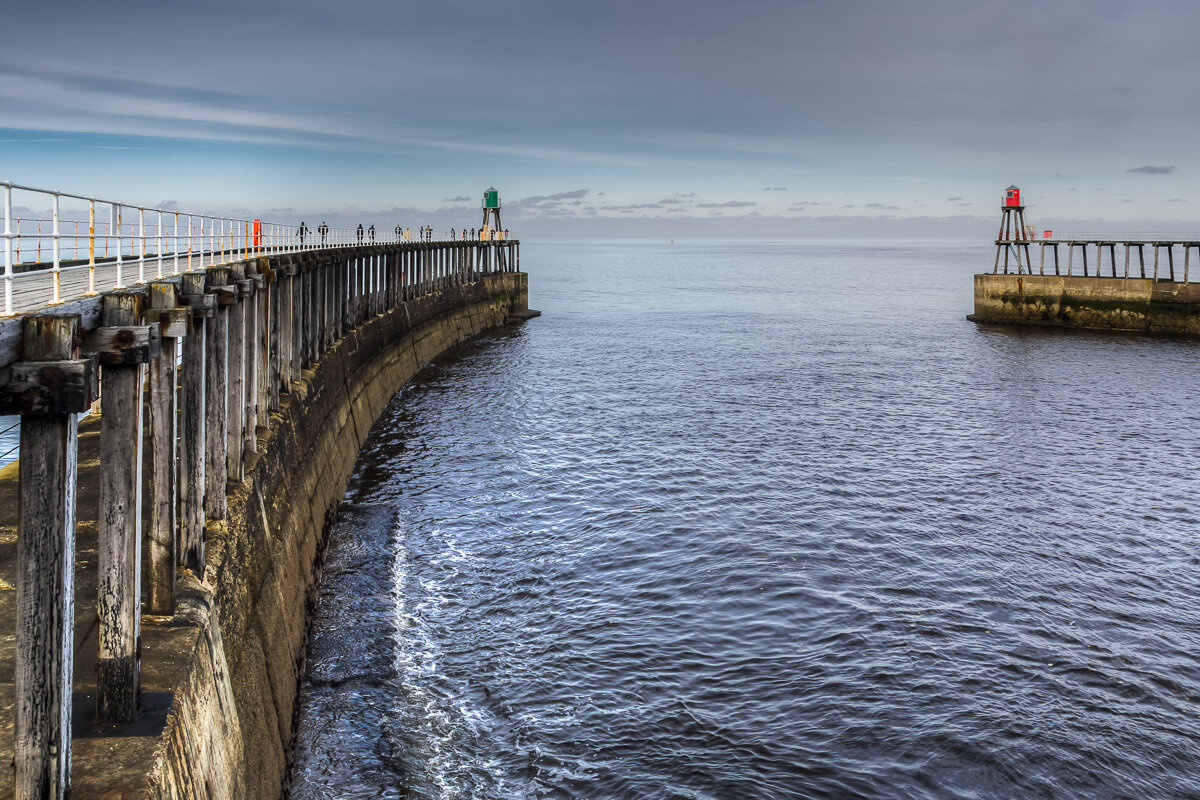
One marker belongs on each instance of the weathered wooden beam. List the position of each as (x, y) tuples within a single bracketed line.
[(192, 423), (216, 394), (45, 596), (297, 344), (124, 345), (274, 333), (263, 332), (162, 530), (120, 580)]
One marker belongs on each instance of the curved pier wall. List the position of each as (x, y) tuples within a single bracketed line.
[(230, 725), (1131, 304)]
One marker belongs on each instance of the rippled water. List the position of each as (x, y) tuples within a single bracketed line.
[(767, 520)]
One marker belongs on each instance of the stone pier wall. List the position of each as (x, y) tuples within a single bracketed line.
[(231, 724), (1129, 304)]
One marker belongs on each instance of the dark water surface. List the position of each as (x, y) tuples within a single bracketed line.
[(767, 520)]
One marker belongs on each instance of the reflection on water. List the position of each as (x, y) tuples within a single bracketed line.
[(767, 520)]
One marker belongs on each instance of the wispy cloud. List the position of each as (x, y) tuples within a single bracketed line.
[(1152, 170), (774, 188), (728, 204)]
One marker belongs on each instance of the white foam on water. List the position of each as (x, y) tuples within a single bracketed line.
[(450, 735)]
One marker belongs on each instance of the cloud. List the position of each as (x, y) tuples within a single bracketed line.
[(882, 206), (671, 201), (462, 198), (953, 199), (542, 199), (1150, 170), (1175, 200), (728, 204), (774, 188)]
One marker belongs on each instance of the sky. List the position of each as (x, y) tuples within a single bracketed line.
[(760, 118)]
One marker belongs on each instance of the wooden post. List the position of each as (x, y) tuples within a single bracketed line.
[(286, 324), (162, 540), (297, 344), (249, 294), (275, 335), (216, 397), (236, 406), (263, 333), (1156, 261), (122, 356), (192, 423), (45, 596)]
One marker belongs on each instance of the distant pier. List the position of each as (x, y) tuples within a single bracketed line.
[(1130, 283)]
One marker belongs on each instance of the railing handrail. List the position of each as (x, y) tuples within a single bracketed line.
[(204, 238)]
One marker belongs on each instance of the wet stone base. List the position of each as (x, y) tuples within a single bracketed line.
[(1127, 304)]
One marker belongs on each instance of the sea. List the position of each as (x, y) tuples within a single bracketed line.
[(766, 519)]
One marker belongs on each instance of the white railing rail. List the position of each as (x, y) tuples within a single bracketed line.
[(160, 241)]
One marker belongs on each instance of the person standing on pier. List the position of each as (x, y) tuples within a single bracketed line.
[(323, 230), (303, 231), (371, 233), (360, 233), (399, 233), (452, 233)]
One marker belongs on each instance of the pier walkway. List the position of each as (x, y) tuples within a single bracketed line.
[(155, 559)]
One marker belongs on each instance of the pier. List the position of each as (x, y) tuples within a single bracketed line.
[(1131, 282), (185, 436)]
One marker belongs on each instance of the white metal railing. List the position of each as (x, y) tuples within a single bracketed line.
[(47, 254), (1057, 235)]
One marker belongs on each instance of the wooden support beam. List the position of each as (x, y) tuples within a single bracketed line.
[(249, 304), (192, 422), (274, 356), (120, 579), (45, 591), (162, 531), (235, 409), (263, 317), (216, 395), (297, 347)]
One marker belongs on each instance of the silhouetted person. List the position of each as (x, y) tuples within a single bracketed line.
[(371, 233), (452, 233), (472, 233), (303, 231), (399, 233), (323, 230), (360, 233)]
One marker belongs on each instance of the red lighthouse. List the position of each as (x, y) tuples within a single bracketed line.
[(1013, 237)]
